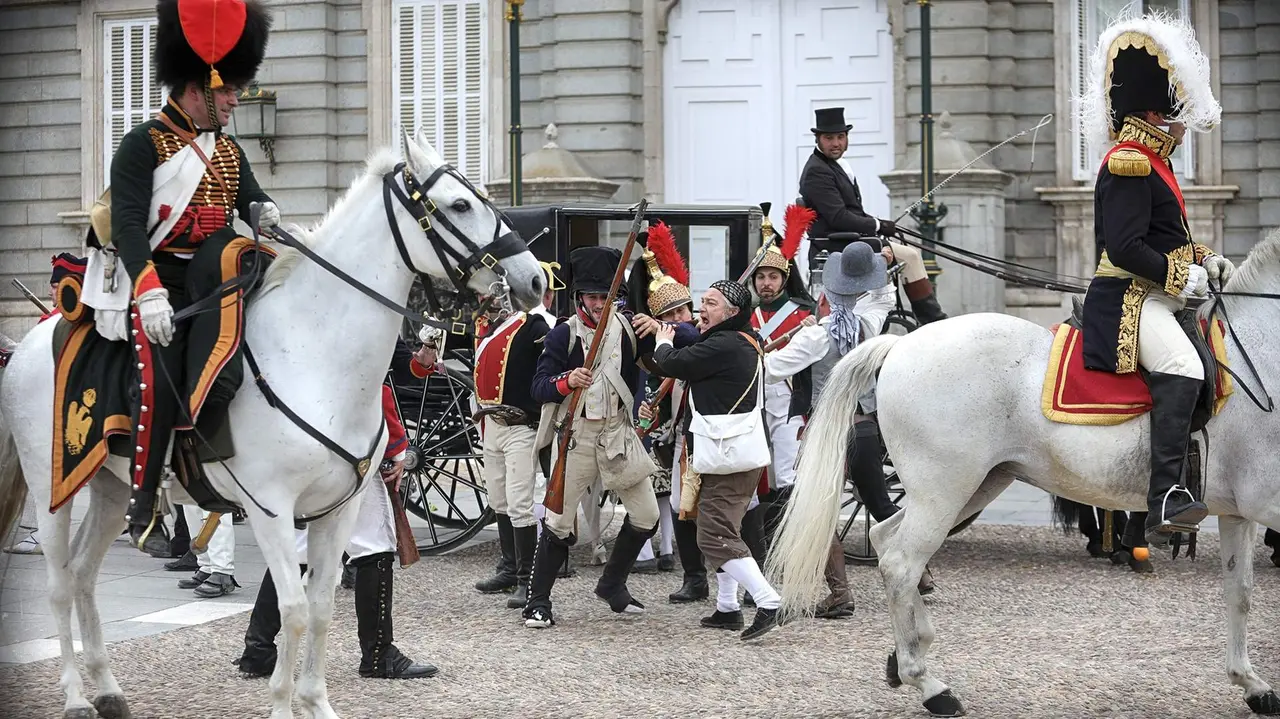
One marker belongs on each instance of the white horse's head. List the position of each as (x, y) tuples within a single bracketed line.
[(453, 232)]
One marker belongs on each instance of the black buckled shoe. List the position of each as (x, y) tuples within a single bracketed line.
[(193, 581), (724, 620), (395, 665), (186, 563), (764, 622), (217, 585)]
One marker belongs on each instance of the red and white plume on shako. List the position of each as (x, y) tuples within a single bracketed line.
[(663, 246), (796, 220)]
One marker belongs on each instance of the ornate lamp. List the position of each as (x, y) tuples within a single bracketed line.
[(255, 119)]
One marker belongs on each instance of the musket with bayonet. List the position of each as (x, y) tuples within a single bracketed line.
[(31, 296), (554, 501)]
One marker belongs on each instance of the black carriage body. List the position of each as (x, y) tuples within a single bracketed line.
[(559, 229)]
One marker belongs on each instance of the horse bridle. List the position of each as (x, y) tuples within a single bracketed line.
[(459, 267)]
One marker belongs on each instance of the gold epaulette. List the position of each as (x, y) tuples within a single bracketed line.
[(1129, 163)]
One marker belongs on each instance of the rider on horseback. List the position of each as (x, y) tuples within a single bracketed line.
[(176, 181), (1149, 85)]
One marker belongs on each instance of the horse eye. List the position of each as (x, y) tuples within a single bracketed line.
[(461, 205)]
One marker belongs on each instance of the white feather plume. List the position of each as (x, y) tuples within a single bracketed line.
[(1195, 105)]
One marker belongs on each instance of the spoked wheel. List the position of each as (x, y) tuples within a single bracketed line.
[(442, 471)]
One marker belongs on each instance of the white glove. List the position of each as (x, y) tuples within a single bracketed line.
[(112, 324), (270, 215), (429, 335), (1219, 268), (157, 316), (1197, 282)]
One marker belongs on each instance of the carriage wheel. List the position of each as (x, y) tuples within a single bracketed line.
[(855, 532), (442, 479)]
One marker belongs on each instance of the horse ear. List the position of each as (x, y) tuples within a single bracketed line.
[(419, 162), (424, 143)]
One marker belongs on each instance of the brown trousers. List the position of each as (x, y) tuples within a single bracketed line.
[(721, 505)]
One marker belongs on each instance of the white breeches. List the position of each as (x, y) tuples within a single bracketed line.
[(1162, 344), (912, 261), (509, 471), (783, 433), (375, 531), (220, 556)]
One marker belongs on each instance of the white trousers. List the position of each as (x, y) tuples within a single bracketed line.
[(220, 557), (375, 531), (1162, 344), (783, 433), (509, 471)]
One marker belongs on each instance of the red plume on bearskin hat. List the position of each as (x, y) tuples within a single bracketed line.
[(797, 220), (663, 246), (211, 42)]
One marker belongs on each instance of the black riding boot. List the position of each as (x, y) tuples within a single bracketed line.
[(865, 466), (526, 539), (695, 588), (612, 587), (259, 657), (505, 578), (379, 658), (924, 301), (548, 558), (1170, 507)]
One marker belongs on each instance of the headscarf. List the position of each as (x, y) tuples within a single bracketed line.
[(738, 296), (845, 327)]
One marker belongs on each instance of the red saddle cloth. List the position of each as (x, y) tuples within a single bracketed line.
[(1075, 395)]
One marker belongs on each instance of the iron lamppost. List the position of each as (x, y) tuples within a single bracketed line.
[(928, 213), (514, 17)]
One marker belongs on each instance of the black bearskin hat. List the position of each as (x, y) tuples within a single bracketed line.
[(209, 42)]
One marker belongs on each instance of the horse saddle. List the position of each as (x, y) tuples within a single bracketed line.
[(1210, 392)]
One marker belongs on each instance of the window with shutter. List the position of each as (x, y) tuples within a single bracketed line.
[(438, 78), (130, 94), (1091, 18)]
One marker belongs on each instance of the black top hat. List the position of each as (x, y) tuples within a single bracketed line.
[(591, 269), (829, 119)]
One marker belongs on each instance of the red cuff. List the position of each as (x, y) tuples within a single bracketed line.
[(418, 369), (562, 386), (147, 280)]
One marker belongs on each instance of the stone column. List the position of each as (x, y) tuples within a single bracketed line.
[(975, 218)]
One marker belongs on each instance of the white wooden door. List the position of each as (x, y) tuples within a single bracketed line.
[(741, 81)]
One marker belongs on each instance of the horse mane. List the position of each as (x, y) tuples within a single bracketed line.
[(1260, 271), (379, 163)]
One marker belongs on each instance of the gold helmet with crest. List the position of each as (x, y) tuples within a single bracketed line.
[(781, 256), (668, 274), (1147, 63)]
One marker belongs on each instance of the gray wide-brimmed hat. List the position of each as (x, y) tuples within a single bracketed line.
[(854, 270)]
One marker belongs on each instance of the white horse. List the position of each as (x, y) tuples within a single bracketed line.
[(324, 348), (959, 408)]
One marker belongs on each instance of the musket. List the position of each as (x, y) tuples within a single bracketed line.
[(31, 296), (554, 500)]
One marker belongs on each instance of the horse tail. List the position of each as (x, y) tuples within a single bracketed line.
[(799, 554), (1067, 514), (13, 486)]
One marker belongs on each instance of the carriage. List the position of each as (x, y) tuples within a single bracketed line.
[(442, 483)]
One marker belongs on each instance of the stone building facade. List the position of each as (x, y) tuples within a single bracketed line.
[(676, 100)]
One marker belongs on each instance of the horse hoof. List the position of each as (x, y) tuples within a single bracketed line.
[(1275, 559), (1265, 704), (112, 706), (80, 713), (1141, 566), (944, 705), (891, 671)]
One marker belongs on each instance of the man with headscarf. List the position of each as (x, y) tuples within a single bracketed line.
[(723, 372), (855, 299)]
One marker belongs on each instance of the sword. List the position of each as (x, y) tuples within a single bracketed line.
[(31, 296)]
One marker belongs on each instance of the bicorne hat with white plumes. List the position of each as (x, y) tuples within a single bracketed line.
[(1147, 62)]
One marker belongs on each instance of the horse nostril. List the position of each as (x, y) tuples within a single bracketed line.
[(536, 286)]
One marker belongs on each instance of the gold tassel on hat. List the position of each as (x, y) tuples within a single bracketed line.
[(215, 80)]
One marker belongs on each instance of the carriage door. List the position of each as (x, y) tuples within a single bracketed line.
[(741, 80)]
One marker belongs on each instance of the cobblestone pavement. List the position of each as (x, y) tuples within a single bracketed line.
[(1027, 626)]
